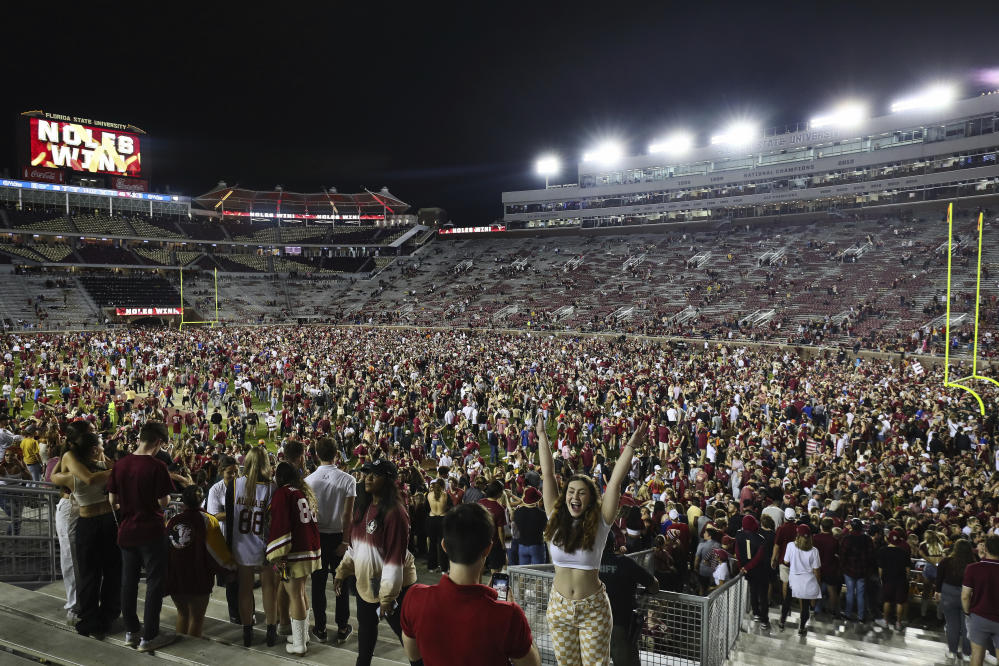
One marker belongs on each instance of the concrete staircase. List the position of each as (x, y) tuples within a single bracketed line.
[(33, 629), (836, 642)]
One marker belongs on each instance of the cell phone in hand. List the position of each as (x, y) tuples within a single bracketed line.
[(501, 583)]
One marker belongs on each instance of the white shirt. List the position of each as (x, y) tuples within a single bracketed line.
[(332, 486)]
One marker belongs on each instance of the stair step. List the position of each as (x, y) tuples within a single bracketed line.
[(34, 642), (834, 643), (222, 642)]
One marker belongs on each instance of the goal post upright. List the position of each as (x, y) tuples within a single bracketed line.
[(211, 322)]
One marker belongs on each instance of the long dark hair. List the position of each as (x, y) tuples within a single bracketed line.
[(82, 445), (386, 503), (961, 555), (286, 475), (567, 532)]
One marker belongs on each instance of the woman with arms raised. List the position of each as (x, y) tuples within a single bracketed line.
[(579, 612)]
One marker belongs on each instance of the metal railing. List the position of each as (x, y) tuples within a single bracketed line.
[(676, 629), (29, 545)]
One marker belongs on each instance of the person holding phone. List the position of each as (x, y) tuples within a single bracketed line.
[(494, 631), (579, 611), (376, 555)]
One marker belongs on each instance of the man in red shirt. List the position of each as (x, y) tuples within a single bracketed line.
[(141, 485), (497, 558), (980, 600), (492, 632)]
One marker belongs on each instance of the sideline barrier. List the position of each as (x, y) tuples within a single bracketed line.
[(675, 629), (29, 545)]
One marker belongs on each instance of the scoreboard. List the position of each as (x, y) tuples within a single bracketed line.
[(82, 147)]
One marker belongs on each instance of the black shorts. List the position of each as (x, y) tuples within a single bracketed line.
[(895, 592), (496, 559)]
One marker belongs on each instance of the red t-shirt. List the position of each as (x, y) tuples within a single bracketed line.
[(139, 482), (983, 579), (499, 516), (492, 632)]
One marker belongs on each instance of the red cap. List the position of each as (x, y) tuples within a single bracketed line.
[(803, 530), (531, 495)]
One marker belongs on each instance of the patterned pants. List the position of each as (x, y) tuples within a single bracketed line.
[(581, 629)]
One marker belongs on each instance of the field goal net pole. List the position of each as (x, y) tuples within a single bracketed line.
[(211, 323)]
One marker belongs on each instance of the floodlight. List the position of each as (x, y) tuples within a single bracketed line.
[(847, 114), (675, 144), (607, 153), (548, 165), (934, 97), (737, 134)]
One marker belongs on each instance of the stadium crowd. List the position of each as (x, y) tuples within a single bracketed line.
[(871, 464)]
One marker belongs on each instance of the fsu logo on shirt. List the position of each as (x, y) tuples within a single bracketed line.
[(372, 527)]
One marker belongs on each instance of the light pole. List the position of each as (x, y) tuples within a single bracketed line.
[(547, 166)]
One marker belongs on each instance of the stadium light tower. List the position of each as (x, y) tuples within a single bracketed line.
[(675, 144), (847, 114), (737, 134), (935, 97), (607, 153), (547, 166)]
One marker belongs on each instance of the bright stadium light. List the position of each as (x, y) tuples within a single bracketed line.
[(676, 144), (934, 97), (607, 153), (848, 114), (548, 165), (737, 134)]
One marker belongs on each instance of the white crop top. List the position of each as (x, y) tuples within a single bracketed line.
[(582, 559)]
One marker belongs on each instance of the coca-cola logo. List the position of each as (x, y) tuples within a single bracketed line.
[(43, 174), (129, 184)]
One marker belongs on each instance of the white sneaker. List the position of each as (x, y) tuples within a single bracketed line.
[(162, 639), (72, 618), (881, 622), (989, 659)]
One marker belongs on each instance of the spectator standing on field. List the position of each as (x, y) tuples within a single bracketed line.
[(493, 632), (980, 600), (335, 491), (950, 576), (140, 484)]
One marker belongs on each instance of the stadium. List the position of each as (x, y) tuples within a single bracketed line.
[(765, 348)]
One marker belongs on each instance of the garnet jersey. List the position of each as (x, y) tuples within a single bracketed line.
[(294, 532)]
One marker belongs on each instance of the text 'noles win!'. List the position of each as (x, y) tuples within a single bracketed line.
[(71, 143)]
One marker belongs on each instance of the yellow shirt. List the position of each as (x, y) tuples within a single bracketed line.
[(29, 449)]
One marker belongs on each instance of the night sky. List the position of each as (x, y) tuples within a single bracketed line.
[(448, 104)]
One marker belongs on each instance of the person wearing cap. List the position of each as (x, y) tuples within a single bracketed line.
[(754, 563), (530, 520), (377, 555), (894, 563), (804, 563)]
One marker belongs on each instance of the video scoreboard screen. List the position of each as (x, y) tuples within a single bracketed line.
[(64, 142)]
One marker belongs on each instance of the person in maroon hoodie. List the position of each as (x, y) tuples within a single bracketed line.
[(785, 535), (754, 563), (832, 578)]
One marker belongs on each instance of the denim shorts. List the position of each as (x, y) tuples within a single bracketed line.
[(982, 631)]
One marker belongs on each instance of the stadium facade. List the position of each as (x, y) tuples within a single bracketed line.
[(906, 157)]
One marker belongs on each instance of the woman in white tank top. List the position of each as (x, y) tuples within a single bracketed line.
[(251, 497), (579, 612)]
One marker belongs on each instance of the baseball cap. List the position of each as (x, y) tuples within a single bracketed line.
[(531, 495), (382, 467), (788, 513)]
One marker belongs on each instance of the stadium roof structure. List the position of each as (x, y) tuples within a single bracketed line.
[(237, 200)]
